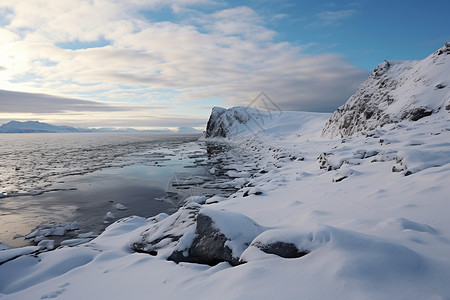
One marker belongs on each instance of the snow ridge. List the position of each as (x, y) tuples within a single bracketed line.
[(396, 91)]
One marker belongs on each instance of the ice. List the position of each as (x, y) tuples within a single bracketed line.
[(87, 235), (46, 230), (9, 254), (47, 244), (236, 174), (30, 163), (4, 246), (120, 206), (109, 216), (74, 242)]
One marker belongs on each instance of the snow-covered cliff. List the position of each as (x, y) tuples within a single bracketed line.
[(396, 91), (225, 122)]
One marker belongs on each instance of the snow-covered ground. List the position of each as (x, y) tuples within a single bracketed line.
[(365, 217)]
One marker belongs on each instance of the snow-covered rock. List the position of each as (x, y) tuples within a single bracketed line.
[(222, 236), (230, 122), (396, 91), (200, 235), (173, 234)]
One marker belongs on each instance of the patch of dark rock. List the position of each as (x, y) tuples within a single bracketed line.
[(418, 113), (440, 86), (339, 179), (397, 168), (407, 173), (285, 250), (247, 193), (209, 246), (324, 163), (151, 247)]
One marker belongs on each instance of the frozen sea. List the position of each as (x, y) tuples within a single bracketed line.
[(54, 178)]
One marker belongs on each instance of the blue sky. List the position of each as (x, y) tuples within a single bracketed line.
[(158, 64)]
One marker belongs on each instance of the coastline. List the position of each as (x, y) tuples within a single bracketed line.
[(351, 218)]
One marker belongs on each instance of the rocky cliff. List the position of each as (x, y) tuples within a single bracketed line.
[(396, 91)]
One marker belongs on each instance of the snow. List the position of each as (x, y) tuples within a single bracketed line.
[(370, 211)]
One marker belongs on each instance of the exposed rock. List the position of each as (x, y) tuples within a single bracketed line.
[(283, 249), (327, 162), (395, 91), (222, 236), (214, 128), (417, 113), (226, 122), (205, 236), (209, 244)]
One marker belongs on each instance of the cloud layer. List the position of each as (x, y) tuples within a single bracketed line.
[(117, 51)]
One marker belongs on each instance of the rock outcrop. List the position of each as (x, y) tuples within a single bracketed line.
[(196, 235), (229, 122), (396, 91)]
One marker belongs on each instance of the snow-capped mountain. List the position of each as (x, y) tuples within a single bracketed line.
[(40, 127), (187, 130), (36, 127), (395, 91)]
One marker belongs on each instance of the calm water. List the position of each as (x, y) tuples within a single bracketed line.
[(51, 178)]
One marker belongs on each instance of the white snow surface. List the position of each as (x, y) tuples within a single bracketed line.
[(372, 211)]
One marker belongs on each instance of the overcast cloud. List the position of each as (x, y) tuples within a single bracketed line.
[(223, 53)]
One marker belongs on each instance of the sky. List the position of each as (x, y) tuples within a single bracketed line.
[(152, 64)]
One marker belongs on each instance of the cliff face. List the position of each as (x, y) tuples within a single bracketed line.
[(396, 91), (225, 122)]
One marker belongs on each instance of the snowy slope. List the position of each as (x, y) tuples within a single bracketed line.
[(34, 127), (365, 217), (395, 91)]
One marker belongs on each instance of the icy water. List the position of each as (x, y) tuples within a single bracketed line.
[(48, 179)]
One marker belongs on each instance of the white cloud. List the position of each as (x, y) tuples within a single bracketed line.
[(227, 54)]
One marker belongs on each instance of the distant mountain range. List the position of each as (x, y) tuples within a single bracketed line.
[(40, 127)]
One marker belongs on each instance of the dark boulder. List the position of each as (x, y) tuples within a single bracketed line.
[(283, 249)]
